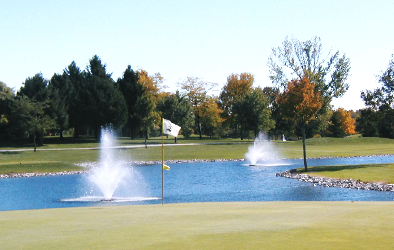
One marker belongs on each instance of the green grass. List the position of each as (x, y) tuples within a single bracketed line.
[(338, 147), (37, 167), (237, 225), (54, 142), (24, 160), (48, 156), (365, 172)]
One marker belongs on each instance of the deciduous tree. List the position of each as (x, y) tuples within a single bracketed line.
[(327, 71), (382, 97), (34, 103), (368, 123), (342, 123), (6, 100), (296, 59), (177, 108), (146, 104), (282, 126), (211, 119), (300, 103), (236, 87), (196, 89), (253, 113), (380, 103), (28, 116)]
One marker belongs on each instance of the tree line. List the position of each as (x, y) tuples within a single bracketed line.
[(377, 119), (305, 81)]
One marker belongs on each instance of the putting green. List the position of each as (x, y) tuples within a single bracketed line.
[(236, 225)]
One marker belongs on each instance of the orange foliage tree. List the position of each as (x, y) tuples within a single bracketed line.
[(211, 118), (146, 103), (299, 103), (342, 123)]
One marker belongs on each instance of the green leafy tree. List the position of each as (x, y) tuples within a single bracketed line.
[(35, 96), (380, 105), (6, 93), (196, 89), (386, 123), (177, 108), (253, 113), (282, 125), (382, 97), (29, 117), (236, 87), (6, 100), (368, 123)]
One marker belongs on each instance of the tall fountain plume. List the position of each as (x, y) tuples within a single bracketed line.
[(109, 173), (261, 152)]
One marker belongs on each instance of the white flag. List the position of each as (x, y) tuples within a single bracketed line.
[(170, 128)]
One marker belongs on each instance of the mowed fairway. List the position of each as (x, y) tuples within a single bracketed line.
[(237, 225)]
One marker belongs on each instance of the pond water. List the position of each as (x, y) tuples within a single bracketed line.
[(189, 182)]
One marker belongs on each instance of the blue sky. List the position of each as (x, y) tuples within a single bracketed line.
[(207, 39)]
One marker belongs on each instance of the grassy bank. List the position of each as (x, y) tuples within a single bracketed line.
[(366, 172), (257, 225), (60, 157)]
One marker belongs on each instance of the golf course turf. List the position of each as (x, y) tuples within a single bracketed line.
[(236, 225)]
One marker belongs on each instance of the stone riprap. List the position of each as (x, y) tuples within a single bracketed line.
[(20, 175), (330, 182)]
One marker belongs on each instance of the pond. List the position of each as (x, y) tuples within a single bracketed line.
[(189, 182)]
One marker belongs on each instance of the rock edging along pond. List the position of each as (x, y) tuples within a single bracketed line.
[(330, 182), (20, 175)]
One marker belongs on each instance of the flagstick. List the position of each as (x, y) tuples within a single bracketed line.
[(162, 162)]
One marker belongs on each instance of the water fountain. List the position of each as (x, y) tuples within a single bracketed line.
[(110, 173), (262, 152), (112, 179)]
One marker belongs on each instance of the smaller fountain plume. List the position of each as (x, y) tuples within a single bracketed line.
[(261, 152)]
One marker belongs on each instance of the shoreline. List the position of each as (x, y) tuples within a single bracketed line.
[(84, 165), (291, 174), (338, 183)]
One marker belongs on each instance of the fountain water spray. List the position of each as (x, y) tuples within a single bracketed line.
[(261, 152), (112, 179), (109, 174)]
